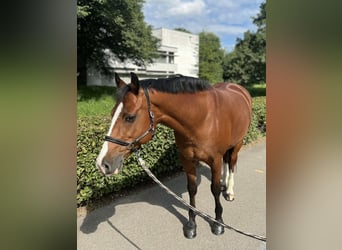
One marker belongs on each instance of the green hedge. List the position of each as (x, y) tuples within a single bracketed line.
[(160, 154), (258, 124)]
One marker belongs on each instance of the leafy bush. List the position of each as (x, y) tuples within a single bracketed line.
[(258, 124), (160, 154), (259, 111)]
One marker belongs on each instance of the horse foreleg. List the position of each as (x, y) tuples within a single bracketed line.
[(190, 227), (216, 191)]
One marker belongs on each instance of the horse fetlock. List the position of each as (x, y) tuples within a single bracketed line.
[(217, 228), (189, 230), (228, 196)]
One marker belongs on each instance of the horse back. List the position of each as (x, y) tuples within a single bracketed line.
[(237, 92), (233, 88)]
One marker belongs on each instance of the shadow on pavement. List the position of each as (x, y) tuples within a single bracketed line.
[(159, 198)]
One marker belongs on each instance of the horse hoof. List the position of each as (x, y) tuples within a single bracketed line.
[(228, 197), (189, 230), (217, 229)]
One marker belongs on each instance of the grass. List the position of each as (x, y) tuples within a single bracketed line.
[(92, 107), (257, 89), (95, 101)]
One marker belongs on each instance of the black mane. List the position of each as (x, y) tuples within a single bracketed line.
[(174, 85)]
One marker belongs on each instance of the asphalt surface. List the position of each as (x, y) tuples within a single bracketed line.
[(153, 219)]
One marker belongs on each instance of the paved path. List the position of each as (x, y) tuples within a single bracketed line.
[(152, 219)]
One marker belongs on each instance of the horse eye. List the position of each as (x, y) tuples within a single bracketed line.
[(130, 118)]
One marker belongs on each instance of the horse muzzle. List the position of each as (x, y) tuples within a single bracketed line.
[(110, 166)]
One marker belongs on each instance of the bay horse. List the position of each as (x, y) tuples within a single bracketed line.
[(209, 124)]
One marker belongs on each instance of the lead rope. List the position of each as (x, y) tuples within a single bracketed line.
[(198, 212)]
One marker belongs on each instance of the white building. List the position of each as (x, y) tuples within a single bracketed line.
[(179, 53)]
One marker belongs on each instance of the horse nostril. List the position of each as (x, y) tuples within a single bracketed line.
[(106, 166)]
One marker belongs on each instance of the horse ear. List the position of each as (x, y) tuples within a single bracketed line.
[(119, 83), (134, 83)]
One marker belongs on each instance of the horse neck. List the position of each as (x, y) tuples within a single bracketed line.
[(179, 111)]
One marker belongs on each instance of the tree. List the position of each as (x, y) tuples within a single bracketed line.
[(182, 30), (246, 64), (114, 27), (210, 57)]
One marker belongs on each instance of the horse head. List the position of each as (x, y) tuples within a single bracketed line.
[(132, 125)]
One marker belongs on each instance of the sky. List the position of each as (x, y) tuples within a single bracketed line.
[(228, 19)]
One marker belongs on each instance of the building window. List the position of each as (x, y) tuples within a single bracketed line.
[(171, 57), (162, 57), (166, 57)]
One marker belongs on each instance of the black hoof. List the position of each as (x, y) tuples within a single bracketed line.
[(189, 230), (217, 229)]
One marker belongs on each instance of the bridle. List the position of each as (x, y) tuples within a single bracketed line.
[(132, 145)]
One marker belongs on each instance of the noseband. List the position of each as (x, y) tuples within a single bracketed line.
[(132, 145)]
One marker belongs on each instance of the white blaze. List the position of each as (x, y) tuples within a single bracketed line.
[(104, 149)]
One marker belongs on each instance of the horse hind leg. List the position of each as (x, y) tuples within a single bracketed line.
[(227, 176), (228, 165)]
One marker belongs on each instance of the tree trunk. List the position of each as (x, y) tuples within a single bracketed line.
[(82, 76)]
